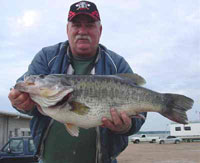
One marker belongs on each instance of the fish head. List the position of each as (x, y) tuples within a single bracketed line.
[(46, 90)]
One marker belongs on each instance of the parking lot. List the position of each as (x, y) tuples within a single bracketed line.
[(161, 153)]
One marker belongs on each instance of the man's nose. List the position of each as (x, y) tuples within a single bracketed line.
[(83, 29)]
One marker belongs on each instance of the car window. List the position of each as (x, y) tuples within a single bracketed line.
[(16, 146), (31, 146)]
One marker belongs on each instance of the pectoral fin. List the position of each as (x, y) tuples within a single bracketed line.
[(72, 129), (79, 108)]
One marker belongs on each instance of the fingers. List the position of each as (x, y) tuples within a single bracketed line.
[(13, 94), (119, 123), (126, 119), (107, 123), (26, 104), (20, 100)]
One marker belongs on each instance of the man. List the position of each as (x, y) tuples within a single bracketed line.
[(81, 54)]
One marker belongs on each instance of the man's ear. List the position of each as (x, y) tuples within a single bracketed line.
[(67, 28), (100, 29)]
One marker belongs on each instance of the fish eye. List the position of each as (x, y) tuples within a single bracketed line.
[(42, 76)]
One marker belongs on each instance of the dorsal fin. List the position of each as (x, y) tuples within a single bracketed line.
[(135, 78)]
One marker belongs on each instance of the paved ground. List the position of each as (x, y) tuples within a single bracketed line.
[(161, 153)]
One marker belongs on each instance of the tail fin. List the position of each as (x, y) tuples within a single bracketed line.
[(176, 107)]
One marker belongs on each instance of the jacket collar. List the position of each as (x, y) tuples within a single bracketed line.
[(70, 69)]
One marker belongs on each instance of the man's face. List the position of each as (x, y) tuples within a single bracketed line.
[(84, 35)]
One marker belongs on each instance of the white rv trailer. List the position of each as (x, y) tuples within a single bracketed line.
[(188, 132)]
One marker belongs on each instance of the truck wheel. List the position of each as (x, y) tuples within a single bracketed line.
[(153, 141), (177, 142), (137, 141), (162, 142)]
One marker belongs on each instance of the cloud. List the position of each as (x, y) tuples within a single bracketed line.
[(28, 19), (21, 24)]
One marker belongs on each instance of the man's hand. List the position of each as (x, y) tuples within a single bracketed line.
[(21, 100), (120, 122)]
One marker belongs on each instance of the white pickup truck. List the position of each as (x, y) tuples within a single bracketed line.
[(144, 138)]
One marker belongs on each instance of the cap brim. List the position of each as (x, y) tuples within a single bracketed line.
[(83, 13)]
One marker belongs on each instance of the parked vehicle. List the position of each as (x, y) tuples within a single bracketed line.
[(189, 132), (18, 150), (144, 138), (169, 139)]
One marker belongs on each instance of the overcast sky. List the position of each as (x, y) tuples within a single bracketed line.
[(160, 39)]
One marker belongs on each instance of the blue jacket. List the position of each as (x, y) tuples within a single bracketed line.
[(55, 60)]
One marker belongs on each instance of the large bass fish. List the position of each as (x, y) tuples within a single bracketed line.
[(82, 100)]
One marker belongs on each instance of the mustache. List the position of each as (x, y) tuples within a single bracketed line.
[(85, 37)]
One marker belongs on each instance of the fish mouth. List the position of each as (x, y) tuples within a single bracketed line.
[(23, 86)]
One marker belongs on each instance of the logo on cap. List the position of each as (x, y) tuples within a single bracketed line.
[(82, 6)]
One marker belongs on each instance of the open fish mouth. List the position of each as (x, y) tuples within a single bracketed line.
[(26, 85), (23, 86), (45, 92)]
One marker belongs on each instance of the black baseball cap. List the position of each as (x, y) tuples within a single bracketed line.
[(84, 7)]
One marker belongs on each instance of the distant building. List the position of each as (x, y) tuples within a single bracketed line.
[(12, 125)]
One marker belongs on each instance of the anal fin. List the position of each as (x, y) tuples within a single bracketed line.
[(72, 129)]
